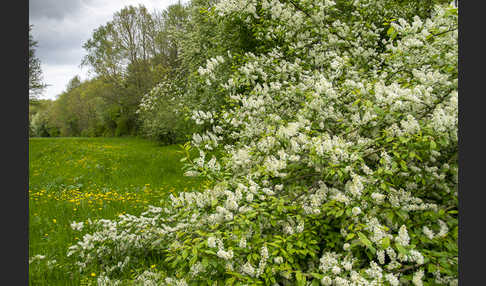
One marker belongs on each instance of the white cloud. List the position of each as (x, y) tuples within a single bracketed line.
[(58, 76)]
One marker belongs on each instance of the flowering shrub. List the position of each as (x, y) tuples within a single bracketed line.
[(162, 115), (338, 160), (206, 43), (38, 125)]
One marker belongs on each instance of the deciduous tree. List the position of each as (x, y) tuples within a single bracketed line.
[(36, 84)]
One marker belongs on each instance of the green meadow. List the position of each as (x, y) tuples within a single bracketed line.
[(82, 179)]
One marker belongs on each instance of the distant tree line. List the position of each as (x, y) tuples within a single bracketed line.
[(128, 55)]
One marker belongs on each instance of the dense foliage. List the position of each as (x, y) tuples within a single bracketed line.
[(81, 110), (337, 155), (129, 55), (134, 55), (200, 39), (163, 115)]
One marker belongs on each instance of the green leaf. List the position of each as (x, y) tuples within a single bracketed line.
[(431, 268), (339, 213), (385, 242), (400, 248), (404, 165), (230, 281), (364, 240), (185, 253), (350, 236), (317, 275), (205, 262), (193, 260), (300, 278)]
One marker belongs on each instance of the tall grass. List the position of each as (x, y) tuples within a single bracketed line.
[(81, 179)]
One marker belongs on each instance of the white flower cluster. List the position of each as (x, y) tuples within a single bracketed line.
[(211, 65), (149, 278), (333, 136), (248, 269), (403, 238), (77, 225), (200, 116), (37, 257)]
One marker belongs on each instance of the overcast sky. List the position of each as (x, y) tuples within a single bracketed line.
[(62, 26)]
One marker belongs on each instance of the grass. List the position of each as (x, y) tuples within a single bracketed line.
[(81, 179)]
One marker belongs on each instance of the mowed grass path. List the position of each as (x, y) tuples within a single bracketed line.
[(82, 179)]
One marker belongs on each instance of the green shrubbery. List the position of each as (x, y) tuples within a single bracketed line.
[(163, 116), (338, 156)]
